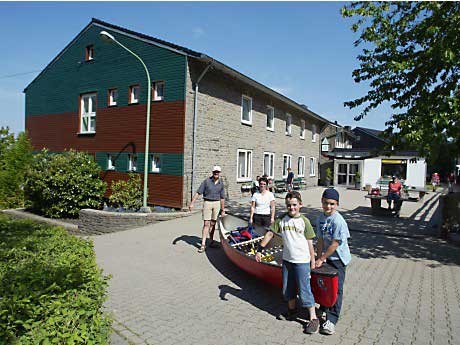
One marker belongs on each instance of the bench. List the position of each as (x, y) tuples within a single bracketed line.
[(279, 186), (299, 183)]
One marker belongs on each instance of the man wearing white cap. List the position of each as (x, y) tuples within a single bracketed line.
[(213, 193)]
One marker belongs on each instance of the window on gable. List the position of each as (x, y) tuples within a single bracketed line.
[(156, 163), (113, 97), (158, 90), (134, 92), (287, 161), (132, 162), (88, 113), (244, 165), (89, 53), (288, 124), (110, 162), (302, 129), (313, 133), (246, 110), (270, 118), (325, 145), (269, 164), (301, 166), (339, 141)]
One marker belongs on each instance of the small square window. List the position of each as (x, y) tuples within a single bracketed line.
[(113, 97), (156, 163), (158, 91), (134, 92), (110, 162), (132, 162), (89, 54)]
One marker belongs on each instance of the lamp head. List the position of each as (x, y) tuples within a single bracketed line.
[(106, 36)]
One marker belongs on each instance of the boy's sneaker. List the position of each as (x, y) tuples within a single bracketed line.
[(312, 326), (290, 315), (327, 328)]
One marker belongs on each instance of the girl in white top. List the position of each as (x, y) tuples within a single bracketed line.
[(262, 205)]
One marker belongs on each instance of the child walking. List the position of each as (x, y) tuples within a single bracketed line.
[(332, 247), (298, 258)]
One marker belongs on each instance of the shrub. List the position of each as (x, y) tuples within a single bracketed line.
[(51, 288), (60, 185), (127, 194), (15, 158)]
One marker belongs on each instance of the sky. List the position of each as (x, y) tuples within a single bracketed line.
[(303, 50)]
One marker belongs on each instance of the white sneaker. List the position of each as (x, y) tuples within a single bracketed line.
[(327, 328)]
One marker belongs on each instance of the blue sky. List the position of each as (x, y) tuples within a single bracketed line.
[(302, 49)]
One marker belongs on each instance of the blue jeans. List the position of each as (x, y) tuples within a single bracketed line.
[(296, 277), (333, 313)]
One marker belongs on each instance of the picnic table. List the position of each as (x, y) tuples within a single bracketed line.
[(376, 203)]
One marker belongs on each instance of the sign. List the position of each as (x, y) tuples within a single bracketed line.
[(394, 161)]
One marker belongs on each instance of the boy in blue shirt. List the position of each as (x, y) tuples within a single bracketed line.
[(332, 247)]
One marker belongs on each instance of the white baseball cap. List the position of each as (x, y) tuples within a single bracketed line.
[(216, 168)]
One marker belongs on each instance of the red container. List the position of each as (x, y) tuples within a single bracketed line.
[(325, 285)]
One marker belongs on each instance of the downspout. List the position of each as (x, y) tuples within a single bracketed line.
[(195, 121)]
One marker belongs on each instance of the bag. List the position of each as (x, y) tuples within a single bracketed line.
[(375, 191)]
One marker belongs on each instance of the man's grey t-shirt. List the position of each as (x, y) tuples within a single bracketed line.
[(211, 191)]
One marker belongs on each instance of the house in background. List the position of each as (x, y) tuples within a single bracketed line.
[(92, 97)]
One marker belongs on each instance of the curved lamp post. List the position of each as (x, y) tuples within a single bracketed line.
[(110, 38)]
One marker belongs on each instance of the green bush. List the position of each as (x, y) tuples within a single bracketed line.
[(51, 288), (127, 194), (60, 185), (15, 158)]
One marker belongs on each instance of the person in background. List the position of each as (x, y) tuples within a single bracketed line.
[(394, 191), (262, 205), (290, 180), (213, 193), (255, 185), (435, 181)]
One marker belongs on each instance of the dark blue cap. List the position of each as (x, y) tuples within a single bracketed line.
[(331, 193)]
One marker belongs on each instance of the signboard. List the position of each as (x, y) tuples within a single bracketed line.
[(394, 161)]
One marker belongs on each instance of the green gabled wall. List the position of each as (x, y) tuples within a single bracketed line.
[(58, 88)]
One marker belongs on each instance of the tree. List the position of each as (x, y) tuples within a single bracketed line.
[(411, 59), (15, 158)]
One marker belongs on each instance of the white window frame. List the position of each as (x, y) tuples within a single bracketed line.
[(313, 133), (270, 113), (132, 94), (302, 129), (247, 163), (287, 163), (89, 53), (339, 140), (132, 162), (156, 96), (312, 166), (89, 116), (153, 166), (301, 166), (325, 145), (113, 101), (249, 99), (110, 162), (288, 129), (271, 168)]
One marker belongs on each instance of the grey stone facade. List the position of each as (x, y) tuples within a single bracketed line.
[(220, 132)]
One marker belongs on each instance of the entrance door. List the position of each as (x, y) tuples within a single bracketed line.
[(346, 173)]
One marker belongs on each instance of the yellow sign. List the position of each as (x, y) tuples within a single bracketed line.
[(394, 161)]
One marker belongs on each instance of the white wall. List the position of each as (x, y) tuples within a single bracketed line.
[(416, 173), (371, 171)]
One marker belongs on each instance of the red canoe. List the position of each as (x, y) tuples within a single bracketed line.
[(324, 281)]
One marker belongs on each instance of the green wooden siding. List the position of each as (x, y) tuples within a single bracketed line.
[(58, 89)]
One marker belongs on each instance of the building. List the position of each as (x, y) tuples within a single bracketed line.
[(92, 97)]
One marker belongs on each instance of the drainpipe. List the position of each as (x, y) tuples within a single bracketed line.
[(195, 120)]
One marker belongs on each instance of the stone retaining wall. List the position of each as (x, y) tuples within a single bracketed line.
[(96, 222)]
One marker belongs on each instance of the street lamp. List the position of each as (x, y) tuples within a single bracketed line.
[(110, 38)]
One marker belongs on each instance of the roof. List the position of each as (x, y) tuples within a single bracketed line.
[(358, 153), (372, 132), (193, 54)]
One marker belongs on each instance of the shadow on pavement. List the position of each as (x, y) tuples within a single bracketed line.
[(192, 240)]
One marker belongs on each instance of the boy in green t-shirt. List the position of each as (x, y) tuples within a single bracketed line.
[(298, 259)]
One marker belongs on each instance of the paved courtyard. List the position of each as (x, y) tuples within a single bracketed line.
[(402, 287)]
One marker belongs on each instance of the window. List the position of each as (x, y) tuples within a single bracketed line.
[(269, 164), (156, 163), (270, 118), (313, 133), (88, 113), (158, 91), (325, 145), (244, 164), (246, 110), (288, 124), (113, 97), (110, 162), (134, 92), (287, 160), (302, 129), (301, 166), (89, 53), (339, 142), (312, 166), (132, 162)]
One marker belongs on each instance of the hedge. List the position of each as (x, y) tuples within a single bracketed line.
[(51, 289)]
